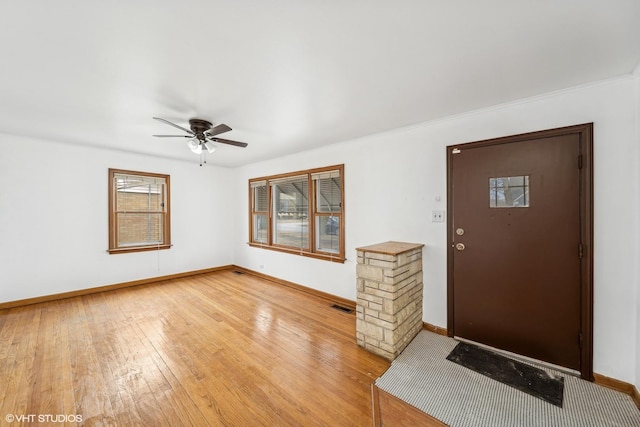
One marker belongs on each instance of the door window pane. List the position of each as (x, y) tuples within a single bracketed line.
[(509, 192)]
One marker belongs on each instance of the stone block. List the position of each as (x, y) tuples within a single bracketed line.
[(371, 284), (410, 309), (381, 263), (366, 297), (387, 317), (371, 312), (372, 341), (409, 257), (364, 271), (379, 293), (406, 285), (379, 256), (369, 318), (381, 323), (369, 329), (374, 306), (401, 273)]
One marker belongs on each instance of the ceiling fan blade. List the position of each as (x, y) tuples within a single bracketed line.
[(230, 142), (174, 125), (174, 136), (217, 129)]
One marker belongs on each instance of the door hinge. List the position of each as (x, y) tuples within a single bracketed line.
[(580, 161), (580, 251)]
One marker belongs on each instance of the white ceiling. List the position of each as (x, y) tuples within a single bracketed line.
[(289, 75)]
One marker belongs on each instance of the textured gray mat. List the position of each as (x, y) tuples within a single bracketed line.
[(459, 397)]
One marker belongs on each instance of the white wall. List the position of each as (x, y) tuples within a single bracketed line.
[(392, 181), (54, 218), (637, 77)]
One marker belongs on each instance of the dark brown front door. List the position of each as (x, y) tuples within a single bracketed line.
[(519, 233)]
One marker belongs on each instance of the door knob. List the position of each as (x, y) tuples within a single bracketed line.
[(460, 246)]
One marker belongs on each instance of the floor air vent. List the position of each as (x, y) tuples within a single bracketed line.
[(341, 308)]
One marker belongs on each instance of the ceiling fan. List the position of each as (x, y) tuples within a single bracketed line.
[(201, 136)]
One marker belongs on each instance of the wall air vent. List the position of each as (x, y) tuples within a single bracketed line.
[(341, 308)]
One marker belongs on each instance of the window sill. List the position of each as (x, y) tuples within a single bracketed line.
[(114, 251), (323, 256)]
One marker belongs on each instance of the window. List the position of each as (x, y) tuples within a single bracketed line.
[(138, 211), (509, 192), (299, 212), (260, 209)]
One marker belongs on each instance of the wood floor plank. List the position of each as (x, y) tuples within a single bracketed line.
[(217, 349), (19, 367), (51, 375)]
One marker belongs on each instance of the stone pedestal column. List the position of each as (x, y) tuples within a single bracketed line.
[(389, 299)]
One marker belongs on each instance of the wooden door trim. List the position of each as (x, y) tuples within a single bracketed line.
[(585, 132)]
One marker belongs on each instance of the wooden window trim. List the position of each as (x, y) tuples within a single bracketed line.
[(312, 252), (113, 239)]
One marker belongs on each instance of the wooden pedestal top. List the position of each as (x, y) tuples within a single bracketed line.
[(391, 248)]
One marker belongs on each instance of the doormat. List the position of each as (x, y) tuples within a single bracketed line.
[(523, 377)]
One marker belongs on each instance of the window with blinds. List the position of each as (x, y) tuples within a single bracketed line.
[(260, 211), (138, 211), (299, 212), (328, 214)]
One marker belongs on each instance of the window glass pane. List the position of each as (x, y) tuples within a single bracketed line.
[(139, 193), (260, 201), (327, 234), (140, 229), (509, 192), (328, 194), (291, 212), (260, 228)]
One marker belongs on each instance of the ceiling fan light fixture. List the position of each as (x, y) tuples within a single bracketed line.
[(209, 146), (195, 146)]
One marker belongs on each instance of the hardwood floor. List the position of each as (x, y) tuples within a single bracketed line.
[(217, 349)]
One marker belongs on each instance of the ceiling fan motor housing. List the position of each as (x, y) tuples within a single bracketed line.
[(199, 127)]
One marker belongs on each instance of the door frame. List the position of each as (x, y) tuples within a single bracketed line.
[(585, 132)]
